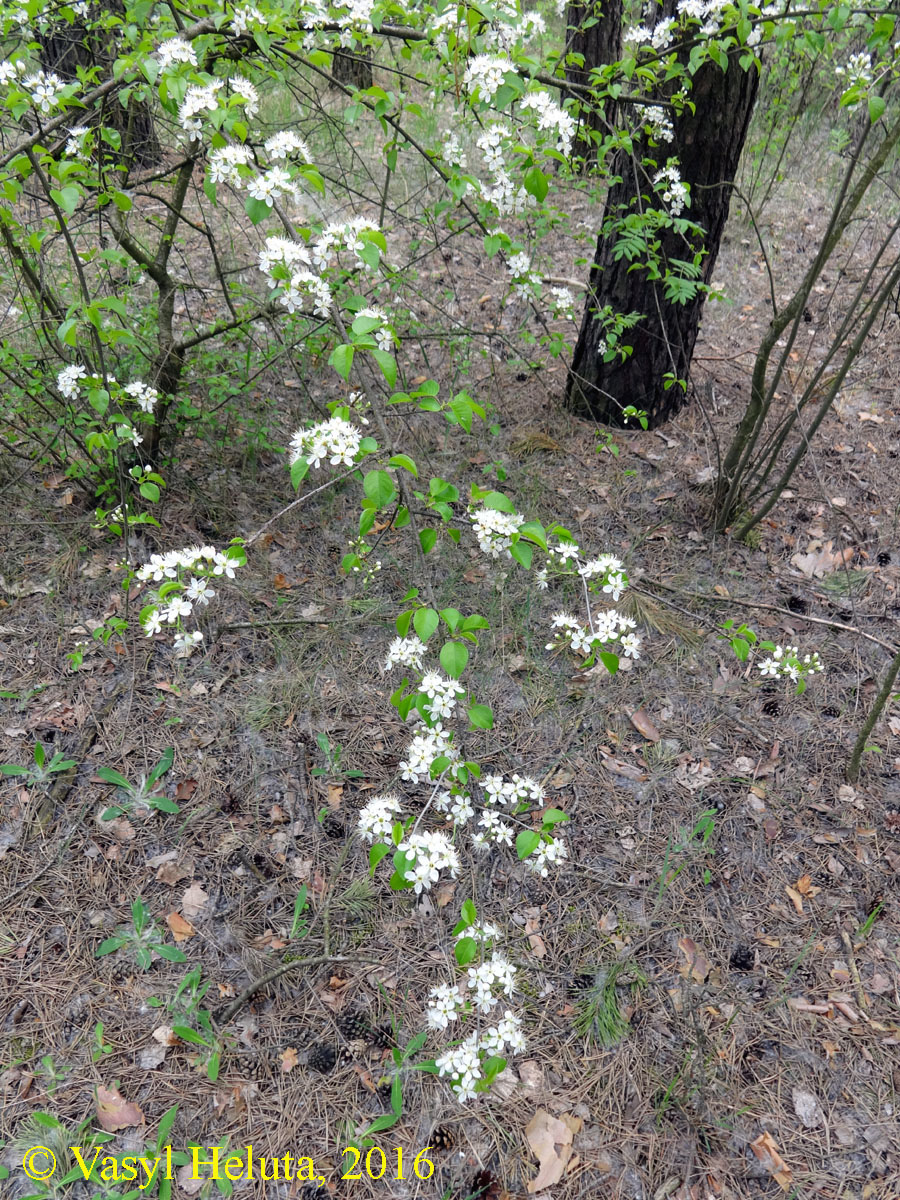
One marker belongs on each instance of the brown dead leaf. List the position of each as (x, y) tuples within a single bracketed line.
[(804, 886), (114, 1112), (165, 1035), (185, 789), (181, 929), (550, 1139), (281, 582), (538, 948), (815, 564), (644, 725), (194, 901), (333, 793), (189, 1183), (289, 1059), (627, 770), (796, 898), (171, 873), (698, 966), (444, 894), (766, 1151)]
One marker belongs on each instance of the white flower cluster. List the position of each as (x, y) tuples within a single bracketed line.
[(548, 854), (377, 817), (247, 92), (191, 569), (675, 193), (525, 281), (245, 18), (452, 152), (46, 89), (458, 807), (434, 852), (442, 694), (785, 662), (485, 72), (225, 163), (463, 1064), (494, 530), (342, 235), (608, 626), (10, 70), (279, 261), (286, 144), (509, 198), (199, 98), (858, 70), (551, 116), (68, 380), (144, 396), (511, 792), (271, 185), (563, 302), (175, 50), (504, 35), (492, 831), (426, 745), (405, 652), (336, 439), (658, 121), (75, 143)]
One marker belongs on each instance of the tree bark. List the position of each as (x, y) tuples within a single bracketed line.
[(708, 143), (354, 69), (593, 31)]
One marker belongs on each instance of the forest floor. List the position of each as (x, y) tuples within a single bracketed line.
[(729, 895)]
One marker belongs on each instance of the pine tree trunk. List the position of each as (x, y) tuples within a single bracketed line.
[(66, 47), (353, 69), (708, 143), (598, 43)]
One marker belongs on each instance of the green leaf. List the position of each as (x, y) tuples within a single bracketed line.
[(108, 775), (527, 842), (257, 210), (170, 953), (427, 539), (164, 804), (388, 365), (498, 501), (465, 951), (403, 460), (167, 1120), (553, 816), (12, 769), (468, 912), (397, 1096), (376, 854), (341, 359), (110, 945), (425, 622), (379, 487), (299, 471), (39, 756), (385, 1121), (536, 183), (522, 553), (454, 657), (481, 716), (877, 105), (188, 1035), (609, 660)]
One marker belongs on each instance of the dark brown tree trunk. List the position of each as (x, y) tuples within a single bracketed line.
[(66, 47), (353, 69), (593, 34), (708, 143)]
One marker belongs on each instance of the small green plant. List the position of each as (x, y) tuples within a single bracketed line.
[(784, 662), (111, 627), (100, 1047), (52, 1074), (688, 843), (599, 1017), (299, 927), (140, 795), (42, 769), (333, 758), (143, 939), (193, 1022)]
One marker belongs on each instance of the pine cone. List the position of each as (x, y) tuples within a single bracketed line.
[(354, 1027), (322, 1057)]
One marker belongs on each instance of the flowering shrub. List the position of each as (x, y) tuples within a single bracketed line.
[(784, 662), (184, 576)]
